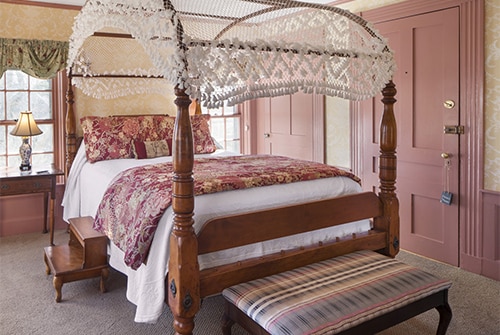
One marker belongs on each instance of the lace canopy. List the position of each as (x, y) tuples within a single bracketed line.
[(226, 50)]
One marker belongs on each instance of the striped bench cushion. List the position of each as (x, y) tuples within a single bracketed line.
[(331, 296)]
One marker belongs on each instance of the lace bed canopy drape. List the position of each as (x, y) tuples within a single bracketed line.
[(226, 50)]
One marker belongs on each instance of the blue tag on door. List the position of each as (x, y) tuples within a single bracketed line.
[(446, 198)]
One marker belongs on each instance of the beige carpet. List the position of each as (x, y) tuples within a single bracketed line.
[(27, 303)]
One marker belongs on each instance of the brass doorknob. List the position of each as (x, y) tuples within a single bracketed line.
[(449, 104), (445, 155)]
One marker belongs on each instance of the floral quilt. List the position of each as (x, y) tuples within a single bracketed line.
[(135, 201)]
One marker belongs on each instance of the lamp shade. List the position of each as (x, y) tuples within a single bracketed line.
[(26, 125)]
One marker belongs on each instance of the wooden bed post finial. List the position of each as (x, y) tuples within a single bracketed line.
[(387, 172), (183, 283)]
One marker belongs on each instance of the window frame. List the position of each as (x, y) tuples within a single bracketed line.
[(59, 82), (219, 113)]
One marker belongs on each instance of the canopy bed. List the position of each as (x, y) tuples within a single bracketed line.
[(220, 52)]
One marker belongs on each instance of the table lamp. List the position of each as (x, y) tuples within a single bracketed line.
[(25, 127)]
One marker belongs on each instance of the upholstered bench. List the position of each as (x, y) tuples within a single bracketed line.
[(358, 293)]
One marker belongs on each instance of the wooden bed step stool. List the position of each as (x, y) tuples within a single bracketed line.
[(358, 293), (85, 256)]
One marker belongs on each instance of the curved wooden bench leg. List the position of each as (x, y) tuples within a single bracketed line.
[(445, 316), (58, 283), (47, 267), (104, 277)]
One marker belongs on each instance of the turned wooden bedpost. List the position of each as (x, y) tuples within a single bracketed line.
[(183, 269), (387, 172), (70, 130)]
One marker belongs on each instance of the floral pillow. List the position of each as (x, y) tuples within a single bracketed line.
[(112, 137), (202, 139)]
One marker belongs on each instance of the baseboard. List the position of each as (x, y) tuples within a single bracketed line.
[(470, 263), (491, 269), (485, 267)]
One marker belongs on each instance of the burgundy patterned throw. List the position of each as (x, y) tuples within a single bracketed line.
[(135, 201)]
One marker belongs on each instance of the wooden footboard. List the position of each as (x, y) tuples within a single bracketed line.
[(274, 223)]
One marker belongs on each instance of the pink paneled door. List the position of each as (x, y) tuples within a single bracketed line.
[(427, 80), (285, 126)]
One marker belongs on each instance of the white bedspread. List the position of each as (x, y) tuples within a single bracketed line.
[(87, 184)]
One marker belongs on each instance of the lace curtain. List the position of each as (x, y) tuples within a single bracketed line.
[(41, 59)]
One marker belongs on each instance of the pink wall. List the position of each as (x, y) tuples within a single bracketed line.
[(23, 214), (486, 259), (491, 235)]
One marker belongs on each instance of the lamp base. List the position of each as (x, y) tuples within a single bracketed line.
[(25, 168), (25, 152)]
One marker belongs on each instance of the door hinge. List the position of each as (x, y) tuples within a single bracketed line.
[(454, 130)]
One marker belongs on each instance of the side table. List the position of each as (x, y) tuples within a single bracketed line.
[(15, 182)]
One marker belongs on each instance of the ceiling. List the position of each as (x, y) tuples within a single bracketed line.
[(81, 2), (63, 2), (355, 6)]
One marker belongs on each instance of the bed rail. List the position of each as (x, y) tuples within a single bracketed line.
[(274, 223), (214, 280)]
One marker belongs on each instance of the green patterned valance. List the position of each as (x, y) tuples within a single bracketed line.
[(41, 59)]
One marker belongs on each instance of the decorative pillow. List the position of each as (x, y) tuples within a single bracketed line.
[(106, 138), (202, 139), (112, 137), (150, 149), (156, 127)]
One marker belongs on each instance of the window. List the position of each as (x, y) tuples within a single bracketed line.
[(225, 127), (20, 92)]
